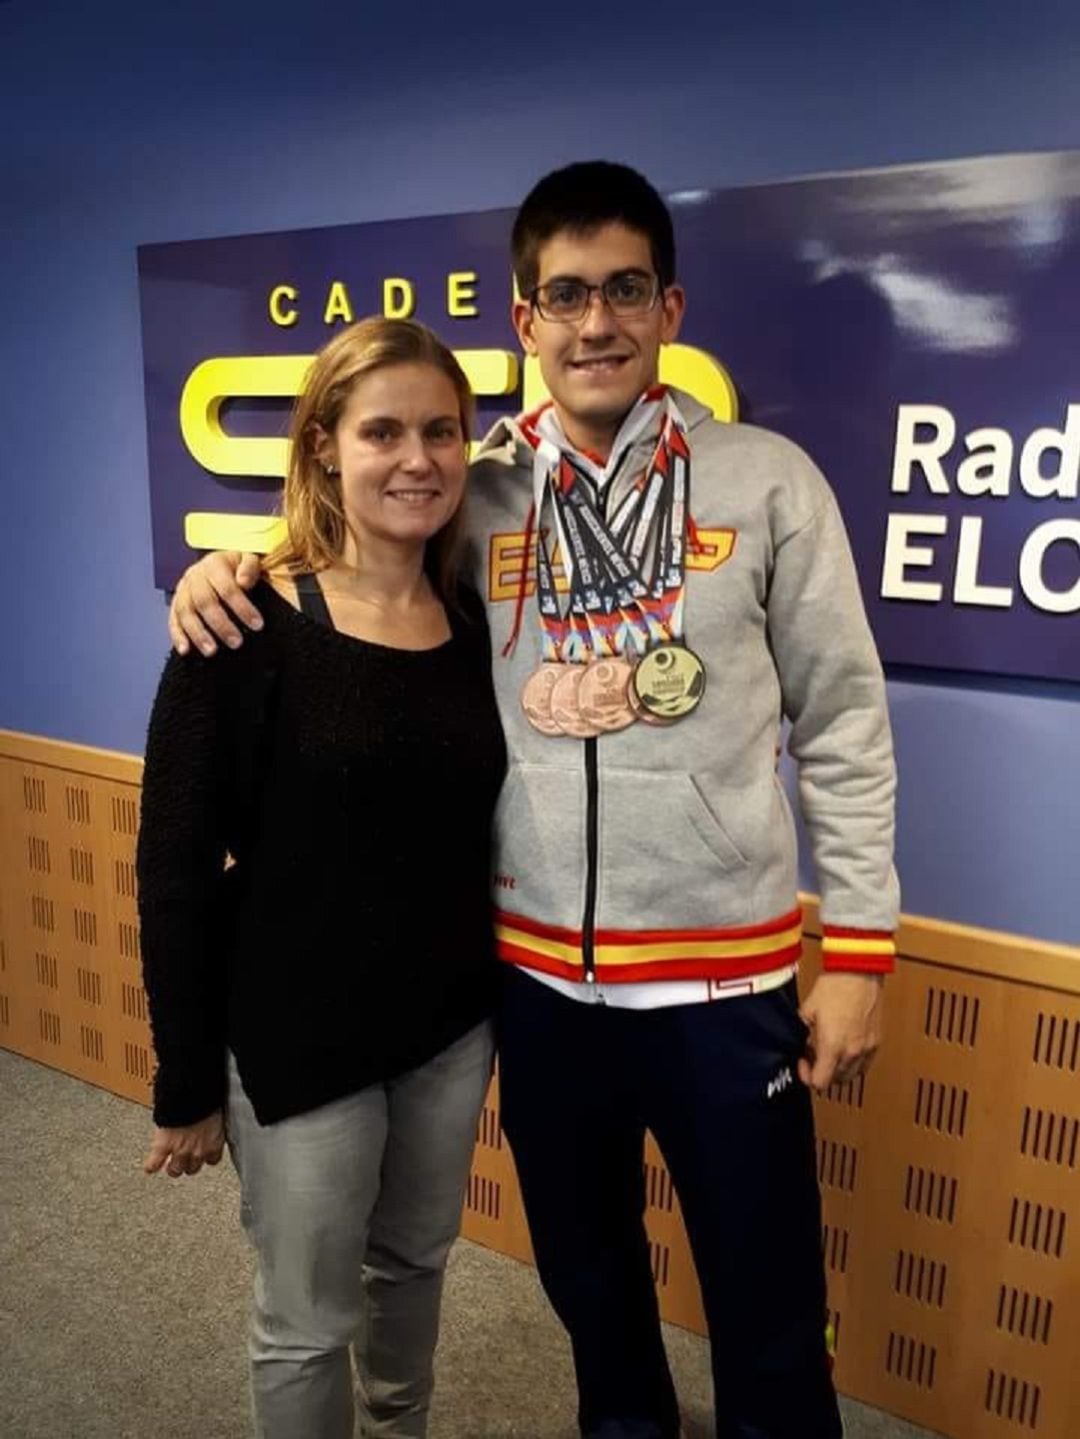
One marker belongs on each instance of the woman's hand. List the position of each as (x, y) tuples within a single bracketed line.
[(186, 1150)]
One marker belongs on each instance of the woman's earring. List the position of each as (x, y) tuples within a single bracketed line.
[(329, 468)]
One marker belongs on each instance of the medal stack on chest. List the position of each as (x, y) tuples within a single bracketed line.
[(613, 647)]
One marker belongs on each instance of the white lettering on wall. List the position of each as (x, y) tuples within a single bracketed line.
[(1054, 602), (966, 587), (901, 555), (926, 453)]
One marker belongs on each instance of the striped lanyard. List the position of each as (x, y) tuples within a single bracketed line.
[(626, 576)]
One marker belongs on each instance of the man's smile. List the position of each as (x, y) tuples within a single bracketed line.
[(599, 364)]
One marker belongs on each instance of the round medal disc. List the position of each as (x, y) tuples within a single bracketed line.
[(564, 704), (536, 697), (640, 712), (669, 682), (602, 694)]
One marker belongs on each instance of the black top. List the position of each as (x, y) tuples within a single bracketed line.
[(354, 785)]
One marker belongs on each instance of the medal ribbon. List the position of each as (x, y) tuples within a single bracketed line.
[(619, 629), (664, 606), (612, 608), (554, 624), (589, 591)]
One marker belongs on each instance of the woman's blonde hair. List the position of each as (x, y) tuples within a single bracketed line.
[(311, 500)]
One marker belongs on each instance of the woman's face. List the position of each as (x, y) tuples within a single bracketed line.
[(401, 454)]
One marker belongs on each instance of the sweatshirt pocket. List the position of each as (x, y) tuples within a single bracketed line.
[(666, 860), (539, 850)]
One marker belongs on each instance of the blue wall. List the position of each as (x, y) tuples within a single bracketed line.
[(128, 123)]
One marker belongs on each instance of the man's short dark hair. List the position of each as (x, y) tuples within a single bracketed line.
[(581, 198)]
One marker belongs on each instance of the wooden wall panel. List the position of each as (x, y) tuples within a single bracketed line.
[(962, 1272), (950, 1176), (70, 986)]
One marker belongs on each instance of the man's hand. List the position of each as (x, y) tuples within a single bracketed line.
[(843, 1013), (197, 616), (186, 1150)]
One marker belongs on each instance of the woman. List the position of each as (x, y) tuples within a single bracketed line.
[(324, 1000)]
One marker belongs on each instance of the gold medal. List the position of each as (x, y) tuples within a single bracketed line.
[(640, 712), (603, 694), (564, 704), (669, 683), (536, 697)]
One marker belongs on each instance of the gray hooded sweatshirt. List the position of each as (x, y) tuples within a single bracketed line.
[(671, 852)]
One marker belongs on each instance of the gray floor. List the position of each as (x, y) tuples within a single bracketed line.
[(122, 1298)]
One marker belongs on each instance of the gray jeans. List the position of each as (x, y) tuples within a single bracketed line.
[(352, 1209)]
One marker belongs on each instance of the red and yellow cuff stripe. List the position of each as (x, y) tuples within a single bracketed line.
[(860, 951), (640, 954)]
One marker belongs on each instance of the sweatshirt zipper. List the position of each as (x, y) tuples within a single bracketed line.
[(592, 805), (588, 919)]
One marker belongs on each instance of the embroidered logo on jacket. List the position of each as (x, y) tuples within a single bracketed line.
[(506, 551)]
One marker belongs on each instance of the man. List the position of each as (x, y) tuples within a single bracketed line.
[(645, 853)]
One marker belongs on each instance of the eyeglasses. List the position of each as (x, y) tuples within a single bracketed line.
[(628, 293)]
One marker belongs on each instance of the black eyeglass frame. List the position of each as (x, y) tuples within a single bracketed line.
[(602, 290)]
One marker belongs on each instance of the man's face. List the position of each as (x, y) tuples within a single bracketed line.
[(597, 366)]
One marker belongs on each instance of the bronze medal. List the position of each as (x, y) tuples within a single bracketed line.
[(564, 704), (603, 694), (536, 697), (669, 683)]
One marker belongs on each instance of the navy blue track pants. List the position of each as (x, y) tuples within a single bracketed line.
[(717, 1086)]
